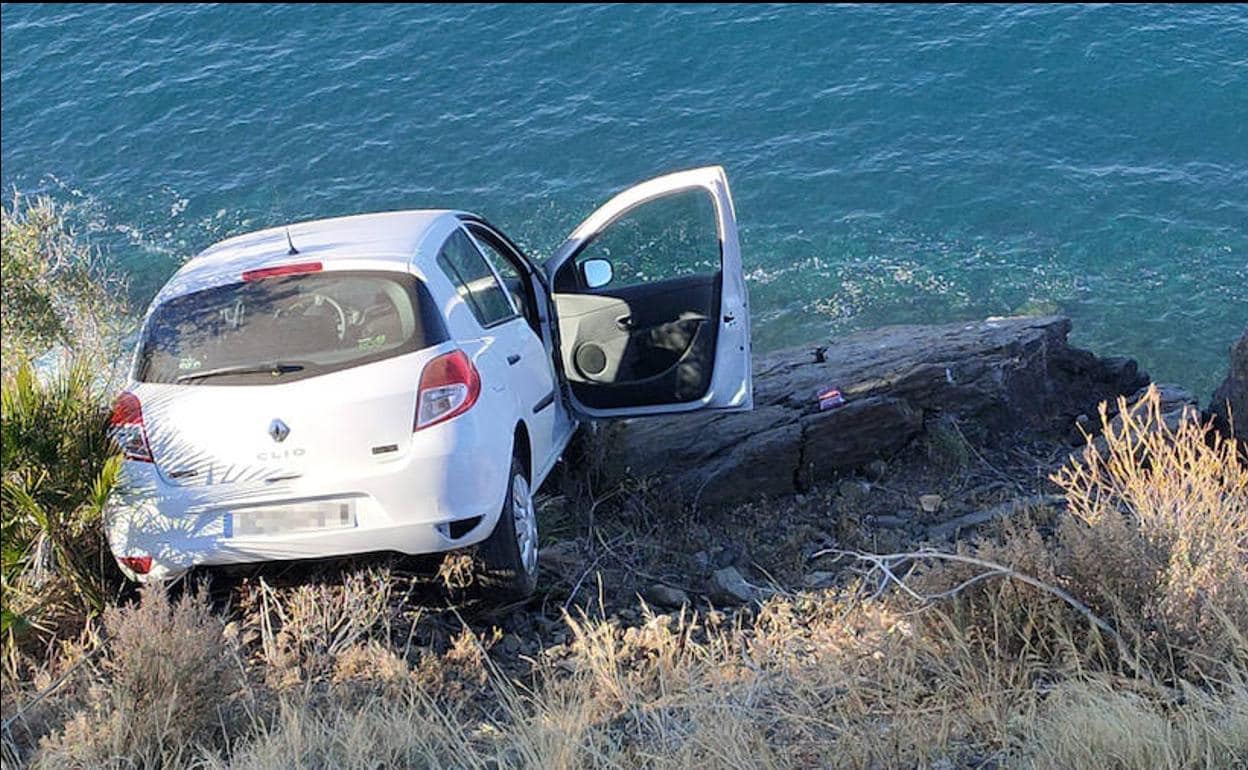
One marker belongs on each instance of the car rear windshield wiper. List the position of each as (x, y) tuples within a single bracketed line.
[(277, 369)]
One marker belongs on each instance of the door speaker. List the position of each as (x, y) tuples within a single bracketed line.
[(591, 359)]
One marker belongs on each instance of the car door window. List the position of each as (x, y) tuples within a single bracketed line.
[(669, 238), (476, 283)]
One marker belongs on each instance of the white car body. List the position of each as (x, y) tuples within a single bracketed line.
[(255, 466)]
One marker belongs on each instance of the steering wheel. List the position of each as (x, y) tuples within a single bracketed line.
[(316, 300)]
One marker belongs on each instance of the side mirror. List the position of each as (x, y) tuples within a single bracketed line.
[(597, 273)]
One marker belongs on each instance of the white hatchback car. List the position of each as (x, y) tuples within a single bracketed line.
[(404, 381)]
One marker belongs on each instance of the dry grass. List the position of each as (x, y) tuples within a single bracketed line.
[(809, 682), (300, 633), (169, 672), (999, 674), (1094, 725), (1159, 535)]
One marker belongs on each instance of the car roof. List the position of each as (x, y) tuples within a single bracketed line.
[(392, 236)]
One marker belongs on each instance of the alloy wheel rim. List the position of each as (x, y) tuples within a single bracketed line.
[(526, 523)]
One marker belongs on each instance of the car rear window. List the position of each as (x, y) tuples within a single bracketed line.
[(285, 328)]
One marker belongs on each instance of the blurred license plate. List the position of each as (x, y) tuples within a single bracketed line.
[(296, 517)]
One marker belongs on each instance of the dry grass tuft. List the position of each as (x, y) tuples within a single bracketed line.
[(1159, 536), (403, 730), (170, 674), (1091, 725), (303, 630), (1156, 545)]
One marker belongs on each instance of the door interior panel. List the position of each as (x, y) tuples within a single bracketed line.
[(653, 343)]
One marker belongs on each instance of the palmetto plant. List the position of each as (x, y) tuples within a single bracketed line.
[(59, 468)]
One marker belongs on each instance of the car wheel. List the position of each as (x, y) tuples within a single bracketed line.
[(509, 555)]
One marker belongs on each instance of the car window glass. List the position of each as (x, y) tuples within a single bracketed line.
[(669, 237), (473, 279), (317, 322), (506, 270)]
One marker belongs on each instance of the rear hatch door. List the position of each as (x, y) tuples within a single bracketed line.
[(332, 427)]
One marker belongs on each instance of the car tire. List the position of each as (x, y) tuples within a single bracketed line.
[(509, 555)]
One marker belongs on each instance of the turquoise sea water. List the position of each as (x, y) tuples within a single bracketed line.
[(890, 164)]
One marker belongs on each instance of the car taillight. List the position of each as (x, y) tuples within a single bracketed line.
[(126, 427), (139, 565), (449, 386)]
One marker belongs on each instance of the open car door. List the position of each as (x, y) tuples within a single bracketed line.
[(650, 302)]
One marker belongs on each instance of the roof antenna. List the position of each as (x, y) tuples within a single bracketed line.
[(293, 250)]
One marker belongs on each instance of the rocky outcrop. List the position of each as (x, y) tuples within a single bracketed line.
[(1230, 401), (994, 377)]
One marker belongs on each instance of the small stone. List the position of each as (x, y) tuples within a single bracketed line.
[(887, 522), (819, 579), (562, 558), (728, 587), (510, 645), (930, 503), (853, 491), (665, 596), (1083, 421), (876, 470), (702, 559), (728, 556)]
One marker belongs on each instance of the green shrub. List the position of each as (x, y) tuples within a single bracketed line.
[(56, 290)]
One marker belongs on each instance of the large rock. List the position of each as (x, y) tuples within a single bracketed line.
[(1230, 400), (996, 377)]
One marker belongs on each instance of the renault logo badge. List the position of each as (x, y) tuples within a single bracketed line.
[(278, 431)]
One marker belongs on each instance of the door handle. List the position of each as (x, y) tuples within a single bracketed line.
[(513, 359)]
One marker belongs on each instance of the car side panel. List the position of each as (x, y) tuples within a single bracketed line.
[(490, 348)]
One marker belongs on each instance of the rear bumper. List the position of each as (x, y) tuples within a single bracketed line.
[(404, 504), (175, 552)]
